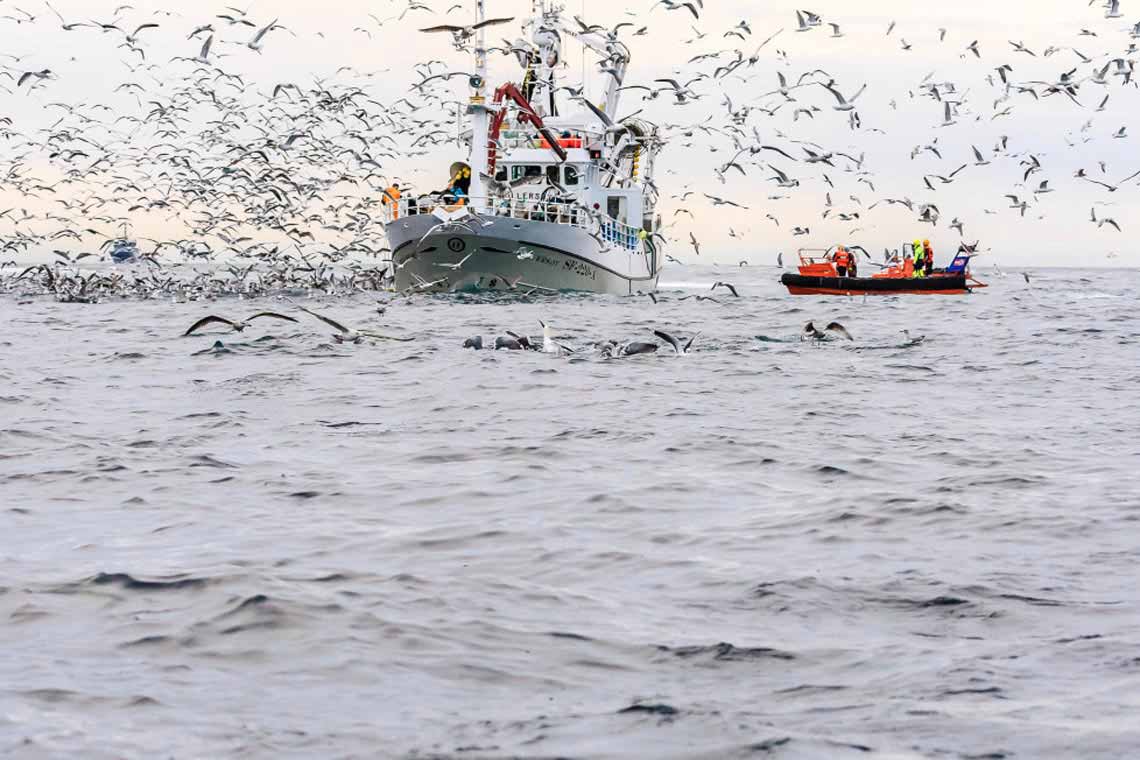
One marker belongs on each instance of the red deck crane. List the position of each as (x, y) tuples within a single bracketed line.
[(526, 116)]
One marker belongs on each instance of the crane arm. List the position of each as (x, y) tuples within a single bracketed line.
[(527, 115)]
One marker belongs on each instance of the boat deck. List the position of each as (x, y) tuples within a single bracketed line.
[(525, 209)]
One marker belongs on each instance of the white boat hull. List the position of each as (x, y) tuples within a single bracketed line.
[(505, 253)]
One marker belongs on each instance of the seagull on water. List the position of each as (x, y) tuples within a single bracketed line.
[(811, 333), (549, 345)]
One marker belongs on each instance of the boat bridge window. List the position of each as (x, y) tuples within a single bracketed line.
[(571, 174), (519, 172), (616, 208), (501, 174), (552, 174)]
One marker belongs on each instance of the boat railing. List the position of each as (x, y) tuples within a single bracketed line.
[(569, 213), (814, 255), (613, 231)]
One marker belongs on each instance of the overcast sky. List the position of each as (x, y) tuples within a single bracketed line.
[(895, 116)]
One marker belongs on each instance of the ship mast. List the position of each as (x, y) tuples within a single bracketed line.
[(477, 110)]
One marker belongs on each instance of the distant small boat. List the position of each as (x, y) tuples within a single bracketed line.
[(124, 249), (818, 276)]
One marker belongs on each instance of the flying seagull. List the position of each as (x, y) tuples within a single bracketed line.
[(255, 43), (462, 34), (675, 342), (347, 334), (237, 326), (844, 104)]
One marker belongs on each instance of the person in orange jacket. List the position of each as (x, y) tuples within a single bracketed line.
[(908, 265), (842, 260), (392, 196)]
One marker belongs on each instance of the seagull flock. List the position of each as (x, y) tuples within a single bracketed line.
[(264, 185)]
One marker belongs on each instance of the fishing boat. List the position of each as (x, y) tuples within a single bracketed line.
[(818, 276), (123, 249), (556, 194)]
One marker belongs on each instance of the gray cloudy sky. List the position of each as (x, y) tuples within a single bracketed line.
[(1056, 230)]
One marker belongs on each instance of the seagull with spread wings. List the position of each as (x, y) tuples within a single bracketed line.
[(238, 326), (463, 34)]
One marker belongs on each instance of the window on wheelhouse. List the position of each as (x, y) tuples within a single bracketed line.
[(571, 175), (613, 207), (552, 174), (519, 172), (501, 174)]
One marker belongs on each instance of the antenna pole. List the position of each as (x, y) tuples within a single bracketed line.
[(477, 109)]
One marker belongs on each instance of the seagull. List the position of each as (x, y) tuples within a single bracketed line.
[(913, 341), (204, 54), (727, 285), (844, 104), (675, 342), (612, 349), (549, 345), (66, 26), (512, 343), (672, 5), (810, 332), (1101, 222), (347, 334), (948, 117), (255, 43), (460, 263), (782, 179), (1111, 188), (237, 326), (44, 74), (133, 36), (462, 34), (1020, 48)]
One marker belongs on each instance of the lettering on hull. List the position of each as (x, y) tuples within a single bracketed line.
[(581, 268)]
